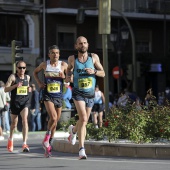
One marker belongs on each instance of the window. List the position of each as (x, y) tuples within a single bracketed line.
[(13, 27), (142, 47), (66, 37), (143, 41)]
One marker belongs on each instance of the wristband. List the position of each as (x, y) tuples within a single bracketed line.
[(95, 71)]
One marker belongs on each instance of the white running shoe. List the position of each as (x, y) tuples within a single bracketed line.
[(1, 137), (96, 126), (72, 136), (82, 154)]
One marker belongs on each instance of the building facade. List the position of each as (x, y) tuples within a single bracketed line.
[(20, 21), (55, 22)]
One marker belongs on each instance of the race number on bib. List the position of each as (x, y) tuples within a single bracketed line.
[(85, 83), (53, 87), (23, 90)]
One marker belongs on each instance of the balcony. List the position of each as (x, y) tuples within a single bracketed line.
[(74, 4), (142, 6), (16, 1), (19, 5)]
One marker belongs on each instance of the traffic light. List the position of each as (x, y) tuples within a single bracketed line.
[(129, 72), (16, 49)]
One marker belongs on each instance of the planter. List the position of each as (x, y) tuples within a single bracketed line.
[(65, 115)]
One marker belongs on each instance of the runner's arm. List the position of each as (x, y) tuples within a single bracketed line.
[(8, 86), (41, 67), (69, 72), (99, 68)]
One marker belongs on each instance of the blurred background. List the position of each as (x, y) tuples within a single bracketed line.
[(39, 24)]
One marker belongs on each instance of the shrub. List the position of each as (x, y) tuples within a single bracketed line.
[(137, 125)]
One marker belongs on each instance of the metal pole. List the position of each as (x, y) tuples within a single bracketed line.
[(119, 64), (164, 29), (13, 56), (119, 56), (133, 50), (105, 65), (44, 32)]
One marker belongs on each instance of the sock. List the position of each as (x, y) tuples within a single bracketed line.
[(81, 148), (10, 139), (73, 132), (50, 141), (24, 143), (48, 132)]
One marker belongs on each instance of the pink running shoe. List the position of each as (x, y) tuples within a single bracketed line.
[(46, 145), (48, 152)]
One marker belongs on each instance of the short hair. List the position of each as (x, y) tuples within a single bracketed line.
[(97, 86), (80, 38), (53, 47), (20, 62)]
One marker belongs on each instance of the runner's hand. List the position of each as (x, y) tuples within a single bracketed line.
[(20, 84), (41, 85), (90, 70)]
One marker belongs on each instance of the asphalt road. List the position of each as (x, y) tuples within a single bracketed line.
[(35, 160)]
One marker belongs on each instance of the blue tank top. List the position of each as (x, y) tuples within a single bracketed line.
[(54, 84), (84, 84)]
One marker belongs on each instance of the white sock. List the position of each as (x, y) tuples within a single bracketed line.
[(10, 139)]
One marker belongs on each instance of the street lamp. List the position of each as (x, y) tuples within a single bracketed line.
[(118, 38)]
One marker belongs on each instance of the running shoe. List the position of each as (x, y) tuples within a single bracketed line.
[(1, 137), (82, 154), (10, 145), (48, 151), (45, 142), (25, 148), (46, 145), (72, 136)]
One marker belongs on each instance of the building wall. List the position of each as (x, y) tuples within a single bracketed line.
[(31, 52), (56, 14), (71, 3)]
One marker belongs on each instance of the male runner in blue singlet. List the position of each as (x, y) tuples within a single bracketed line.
[(54, 70), (84, 67)]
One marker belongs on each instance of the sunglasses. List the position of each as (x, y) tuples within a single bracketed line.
[(22, 68)]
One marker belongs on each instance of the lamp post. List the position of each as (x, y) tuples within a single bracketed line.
[(118, 38), (134, 65)]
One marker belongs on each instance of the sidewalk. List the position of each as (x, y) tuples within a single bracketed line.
[(39, 134), (104, 148)]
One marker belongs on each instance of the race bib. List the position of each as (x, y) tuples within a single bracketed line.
[(85, 83), (23, 90), (53, 87)]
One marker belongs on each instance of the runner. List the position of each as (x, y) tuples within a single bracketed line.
[(53, 88), (84, 67), (18, 85)]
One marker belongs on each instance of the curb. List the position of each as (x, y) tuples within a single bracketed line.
[(116, 150), (104, 148), (35, 135)]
